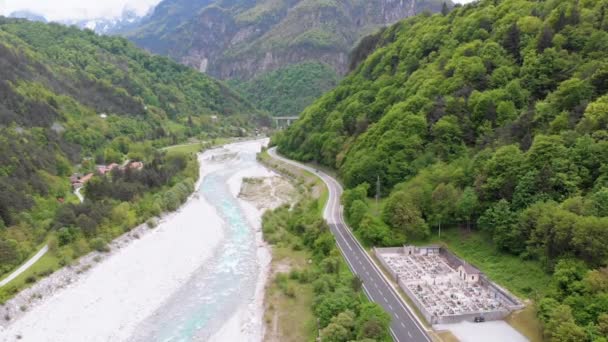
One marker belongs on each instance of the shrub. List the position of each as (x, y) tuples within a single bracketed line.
[(99, 244)]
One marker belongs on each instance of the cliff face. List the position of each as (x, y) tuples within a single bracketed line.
[(243, 39)]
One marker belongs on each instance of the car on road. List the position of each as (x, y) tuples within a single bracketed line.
[(479, 319)]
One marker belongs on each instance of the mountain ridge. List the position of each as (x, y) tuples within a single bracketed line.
[(488, 125)]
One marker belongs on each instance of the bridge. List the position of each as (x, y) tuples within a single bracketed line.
[(282, 122)]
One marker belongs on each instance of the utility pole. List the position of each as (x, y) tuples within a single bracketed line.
[(377, 191)]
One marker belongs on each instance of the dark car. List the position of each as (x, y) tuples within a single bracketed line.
[(479, 319)]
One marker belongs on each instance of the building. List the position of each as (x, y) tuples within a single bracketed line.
[(468, 273), (136, 165), (78, 180), (103, 169)]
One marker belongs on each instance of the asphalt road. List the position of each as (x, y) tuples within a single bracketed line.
[(404, 326)]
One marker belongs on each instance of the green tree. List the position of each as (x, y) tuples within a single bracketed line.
[(445, 10), (467, 206), (373, 231), (334, 333), (442, 206), (373, 322), (448, 138), (401, 212), (500, 221), (511, 42), (357, 211)]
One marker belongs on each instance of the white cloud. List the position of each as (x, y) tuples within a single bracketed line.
[(76, 9)]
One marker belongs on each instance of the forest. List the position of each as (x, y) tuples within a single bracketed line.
[(492, 120), (287, 91), (71, 100)]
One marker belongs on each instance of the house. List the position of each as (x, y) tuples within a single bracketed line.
[(78, 180), (136, 165), (75, 178), (103, 169), (468, 273)]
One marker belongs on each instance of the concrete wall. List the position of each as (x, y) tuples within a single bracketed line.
[(512, 302), (378, 253), (427, 315), (506, 296), (489, 316)]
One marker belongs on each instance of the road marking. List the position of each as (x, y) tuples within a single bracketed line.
[(385, 299), (409, 334), (337, 219), (390, 307), (403, 325)]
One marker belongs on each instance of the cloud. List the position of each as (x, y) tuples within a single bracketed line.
[(76, 9)]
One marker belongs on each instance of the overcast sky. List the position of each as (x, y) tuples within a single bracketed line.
[(85, 9), (76, 9)]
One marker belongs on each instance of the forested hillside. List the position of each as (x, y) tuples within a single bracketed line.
[(245, 39), (289, 90), (494, 119), (69, 100)]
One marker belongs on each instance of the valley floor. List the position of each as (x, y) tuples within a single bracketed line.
[(112, 296)]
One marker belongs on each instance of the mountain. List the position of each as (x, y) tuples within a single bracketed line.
[(127, 21), (245, 39), (71, 99), (493, 117), (31, 16)]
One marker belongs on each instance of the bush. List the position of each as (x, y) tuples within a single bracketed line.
[(152, 223), (99, 244)]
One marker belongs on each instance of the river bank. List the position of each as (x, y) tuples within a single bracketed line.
[(107, 296), (258, 189), (103, 296)]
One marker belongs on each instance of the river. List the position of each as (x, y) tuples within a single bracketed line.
[(226, 281), (198, 276)]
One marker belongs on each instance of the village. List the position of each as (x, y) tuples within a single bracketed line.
[(78, 180)]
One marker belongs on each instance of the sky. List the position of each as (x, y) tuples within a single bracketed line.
[(76, 9), (85, 9)]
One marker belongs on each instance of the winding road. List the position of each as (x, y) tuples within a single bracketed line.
[(405, 326)]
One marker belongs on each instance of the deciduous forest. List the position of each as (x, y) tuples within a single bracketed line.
[(490, 120)]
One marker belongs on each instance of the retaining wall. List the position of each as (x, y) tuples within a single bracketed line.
[(512, 302), (378, 253)]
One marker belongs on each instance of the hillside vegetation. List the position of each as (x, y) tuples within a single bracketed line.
[(69, 100), (494, 119), (287, 91)]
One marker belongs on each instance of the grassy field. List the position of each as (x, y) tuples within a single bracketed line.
[(289, 317), (198, 146), (525, 278), (46, 265), (526, 322)]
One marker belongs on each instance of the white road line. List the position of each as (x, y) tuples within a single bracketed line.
[(338, 221)]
